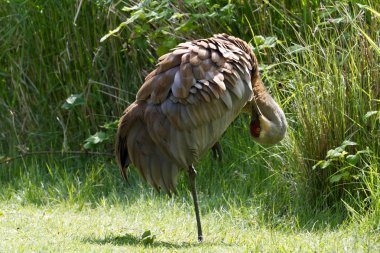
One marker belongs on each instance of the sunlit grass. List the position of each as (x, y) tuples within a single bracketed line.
[(171, 222), (323, 71)]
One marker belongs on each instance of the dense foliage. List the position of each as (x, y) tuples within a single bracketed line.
[(68, 70)]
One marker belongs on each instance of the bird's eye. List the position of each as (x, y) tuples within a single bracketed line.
[(255, 128)]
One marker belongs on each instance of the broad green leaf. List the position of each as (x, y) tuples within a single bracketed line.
[(133, 8), (348, 143), (88, 145), (325, 164), (187, 26), (335, 178), (111, 125), (352, 159), (176, 16), (95, 139), (270, 42), (73, 100), (166, 45), (317, 164), (98, 137), (338, 177), (346, 175), (335, 153), (296, 49), (259, 40)]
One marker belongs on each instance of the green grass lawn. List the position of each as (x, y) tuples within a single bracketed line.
[(61, 228), (317, 191)]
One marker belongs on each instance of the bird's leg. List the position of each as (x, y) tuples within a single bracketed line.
[(217, 151), (192, 175)]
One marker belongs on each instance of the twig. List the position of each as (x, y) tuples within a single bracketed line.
[(48, 152)]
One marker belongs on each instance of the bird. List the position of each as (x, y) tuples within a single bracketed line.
[(185, 105)]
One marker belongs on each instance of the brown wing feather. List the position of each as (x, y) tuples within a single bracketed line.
[(184, 106), (134, 145)]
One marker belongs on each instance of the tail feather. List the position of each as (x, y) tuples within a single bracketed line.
[(131, 114), (135, 146), (121, 152)]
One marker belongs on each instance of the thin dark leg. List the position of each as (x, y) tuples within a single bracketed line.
[(192, 175), (217, 151)]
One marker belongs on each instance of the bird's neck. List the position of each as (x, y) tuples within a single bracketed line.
[(271, 117)]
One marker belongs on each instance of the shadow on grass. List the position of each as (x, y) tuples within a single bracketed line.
[(132, 240)]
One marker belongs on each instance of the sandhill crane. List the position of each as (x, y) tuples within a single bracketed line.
[(186, 104)]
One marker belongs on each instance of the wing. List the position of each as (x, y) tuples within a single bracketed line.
[(184, 106), (199, 87), (197, 73), (134, 145)]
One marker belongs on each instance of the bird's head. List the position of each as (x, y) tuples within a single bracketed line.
[(268, 123), (265, 131)]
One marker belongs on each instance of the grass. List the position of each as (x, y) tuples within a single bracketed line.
[(120, 228), (311, 193), (74, 205)]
